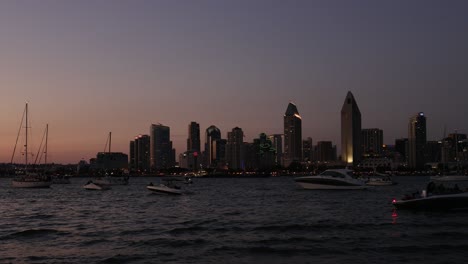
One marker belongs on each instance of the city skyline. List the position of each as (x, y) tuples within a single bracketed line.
[(88, 68)]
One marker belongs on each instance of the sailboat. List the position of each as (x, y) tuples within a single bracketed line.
[(113, 177), (28, 179)]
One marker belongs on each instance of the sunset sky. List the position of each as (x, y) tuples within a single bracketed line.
[(90, 67)]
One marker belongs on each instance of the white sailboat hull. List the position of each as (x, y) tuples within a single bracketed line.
[(163, 189)]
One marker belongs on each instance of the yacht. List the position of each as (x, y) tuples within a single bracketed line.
[(168, 186), (379, 179), (437, 196), (443, 178), (90, 185), (339, 179)]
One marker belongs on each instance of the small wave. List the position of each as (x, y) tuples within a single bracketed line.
[(122, 259), (33, 233), (283, 251)]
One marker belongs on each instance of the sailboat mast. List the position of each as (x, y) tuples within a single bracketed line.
[(47, 136), (26, 142), (110, 141)]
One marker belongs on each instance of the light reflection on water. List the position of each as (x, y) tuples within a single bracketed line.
[(223, 220)]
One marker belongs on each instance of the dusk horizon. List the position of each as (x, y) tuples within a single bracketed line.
[(89, 68)]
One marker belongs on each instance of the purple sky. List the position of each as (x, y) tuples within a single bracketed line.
[(90, 67)]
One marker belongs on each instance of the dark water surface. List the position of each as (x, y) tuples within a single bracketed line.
[(265, 220)]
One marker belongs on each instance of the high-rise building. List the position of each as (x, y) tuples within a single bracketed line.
[(372, 141), (193, 141), (219, 147), (161, 152), (324, 151), (212, 134), (132, 164), (277, 144), (235, 149), (292, 135), (142, 153), (307, 149), (417, 141), (401, 146), (350, 131)]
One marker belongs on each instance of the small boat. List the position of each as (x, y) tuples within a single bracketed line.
[(112, 180), (338, 179), (379, 179), (444, 178), (437, 196), (90, 185), (168, 186)]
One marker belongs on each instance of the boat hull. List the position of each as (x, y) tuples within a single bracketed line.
[(164, 190), (435, 202), (318, 186), (30, 184), (95, 187)]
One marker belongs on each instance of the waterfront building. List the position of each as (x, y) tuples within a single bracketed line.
[(324, 151), (401, 146), (350, 131), (277, 144), (142, 153), (161, 152), (131, 163), (235, 149), (107, 161), (307, 149), (212, 134), (417, 141), (372, 141), (193, 141), (292, 135)]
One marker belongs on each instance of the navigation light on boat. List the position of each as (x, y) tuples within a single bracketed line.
[(394, 200)]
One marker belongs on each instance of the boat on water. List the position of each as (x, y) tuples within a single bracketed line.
[(379, 179), (437, 196), (29, 179), (336, 179), (448, 178), (112, 180), (167, 187), (90, 185)]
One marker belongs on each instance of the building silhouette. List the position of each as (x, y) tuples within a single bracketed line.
[(417, 141), (324, 151), (141, 153), (372, 141), (277, 144), (307, 149), (350, 131), (212, 134), (161, 152), (235, 149), (292, 135), (193, 141)]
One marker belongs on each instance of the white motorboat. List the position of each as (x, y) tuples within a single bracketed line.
[(168, 186), (339, 179), (379, 179), (94, 186), (437, 196)]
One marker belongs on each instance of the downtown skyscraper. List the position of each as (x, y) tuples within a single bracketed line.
[(212, 134), (193, 141), (350, 131), (162, 156), (292, 135), (235, 149), (417, 141)]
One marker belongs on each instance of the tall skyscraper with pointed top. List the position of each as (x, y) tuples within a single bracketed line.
[(350, 131), (292, 135)]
